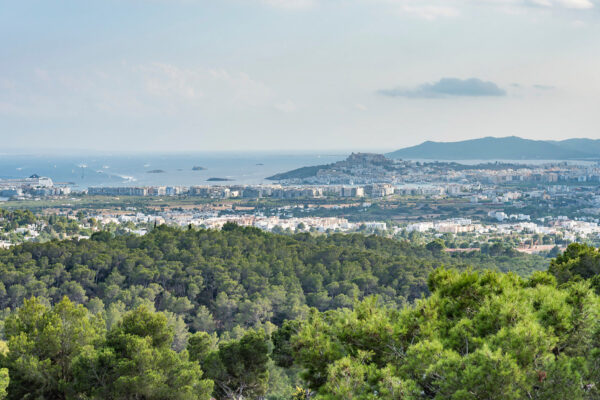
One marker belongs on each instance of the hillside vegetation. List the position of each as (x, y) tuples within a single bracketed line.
[(243, 314), (216, 280)]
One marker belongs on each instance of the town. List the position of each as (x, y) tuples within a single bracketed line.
[(530, 207)]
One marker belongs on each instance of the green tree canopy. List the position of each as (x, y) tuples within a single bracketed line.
[(478, 336), (43, 343), (136, 362), (239, 368)]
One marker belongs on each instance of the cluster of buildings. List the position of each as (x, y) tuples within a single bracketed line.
[(502, 216), (271, 223), (499, 174), (567, 229), (212, 192), (212, 220), (548, 173), (35, 185), (249, 191), (454, 225), (360, 175), (136, 191), (358, 168), (366, 168)]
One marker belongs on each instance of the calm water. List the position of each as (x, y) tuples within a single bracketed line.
[(130, 170)]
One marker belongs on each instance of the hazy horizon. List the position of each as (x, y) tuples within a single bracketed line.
[(69, 152), (306, 75)]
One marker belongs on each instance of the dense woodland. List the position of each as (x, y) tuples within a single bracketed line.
[(244, 314), (217, 280)]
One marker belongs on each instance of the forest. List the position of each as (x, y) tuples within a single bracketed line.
[(244, 314)]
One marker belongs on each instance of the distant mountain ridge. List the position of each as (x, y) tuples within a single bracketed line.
[(506, 148)]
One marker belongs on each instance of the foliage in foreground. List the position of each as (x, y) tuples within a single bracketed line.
[(64, 352), (579, 261), (478, 336)]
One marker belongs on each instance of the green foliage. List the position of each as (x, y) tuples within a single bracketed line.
[(200, 345), (352, 311), (136, 361), (478, 336), (436, 246), (301, 394), (64, 352), (282, 347), (43, 343), (215, 281), (11, 220), (578, 261), (239, 368), (4, 380)]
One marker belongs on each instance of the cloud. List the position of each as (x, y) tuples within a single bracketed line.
[(434, 9), (170, 81), (287, 106), (456, 4), (132, 90), (544, 87), (290, 4), (430, 12), (189, 86), (574, 4), (449, 87)]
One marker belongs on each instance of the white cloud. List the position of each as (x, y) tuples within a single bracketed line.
[(430, 12), (290, 4), (434, 9), (580, 4), (423, 9), (239, 88), (574, 4), (171, 82), (569, 4), (287, 106), (449, 87), (167, 80), (132, 90)]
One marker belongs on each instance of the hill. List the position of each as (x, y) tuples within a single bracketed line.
[(507, 148), (470, 335), (299, 173), (347, 167), (583, 145), (216, 280)]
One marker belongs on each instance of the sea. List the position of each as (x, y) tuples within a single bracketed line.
[(245, 168), (83, 171)]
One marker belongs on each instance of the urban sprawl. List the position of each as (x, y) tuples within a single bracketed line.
[(466, 206)]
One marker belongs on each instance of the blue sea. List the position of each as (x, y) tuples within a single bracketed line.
[(81, 171)]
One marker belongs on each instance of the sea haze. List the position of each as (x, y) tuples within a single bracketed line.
[(135, 170)]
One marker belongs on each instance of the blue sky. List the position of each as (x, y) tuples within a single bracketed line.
[(173, 75)]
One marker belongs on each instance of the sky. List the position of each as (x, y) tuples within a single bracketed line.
[(248, 75)]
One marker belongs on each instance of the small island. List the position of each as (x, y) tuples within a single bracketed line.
[(155, 171), (197, 168), (218, 180)]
